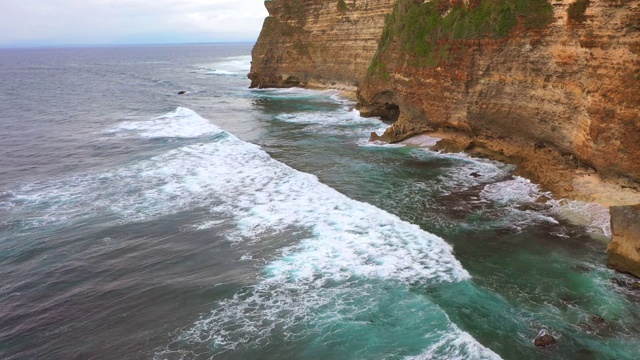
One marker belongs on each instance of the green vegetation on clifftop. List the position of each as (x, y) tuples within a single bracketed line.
[(423, 28)]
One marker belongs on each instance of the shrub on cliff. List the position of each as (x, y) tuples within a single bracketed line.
[(342, 6), (295, 10), (577, 9)]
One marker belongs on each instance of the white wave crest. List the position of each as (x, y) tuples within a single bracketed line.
[(230, 66), (296, 92), (180, 123), (220, 72)]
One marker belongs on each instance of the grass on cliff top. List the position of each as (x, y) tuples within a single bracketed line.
[(418, 26)]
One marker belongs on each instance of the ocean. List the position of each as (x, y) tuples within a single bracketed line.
[(237, 223)]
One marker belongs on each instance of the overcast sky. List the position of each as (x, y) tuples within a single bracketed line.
[(97, 22)]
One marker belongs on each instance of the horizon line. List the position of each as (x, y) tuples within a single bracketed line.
[(52, 46)]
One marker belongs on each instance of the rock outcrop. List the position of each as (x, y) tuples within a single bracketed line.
[(545, 340), (624, 249), (326, 43)]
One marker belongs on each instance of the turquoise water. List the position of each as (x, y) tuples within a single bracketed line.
[(531, 271), (231, 223)]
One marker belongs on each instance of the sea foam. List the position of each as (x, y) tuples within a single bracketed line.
[(348, 241), (345, 247)]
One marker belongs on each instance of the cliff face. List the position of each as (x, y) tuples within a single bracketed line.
[(323, 42), (562, 80), (554, 84)]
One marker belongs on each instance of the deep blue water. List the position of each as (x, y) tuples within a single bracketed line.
[(231, 223)]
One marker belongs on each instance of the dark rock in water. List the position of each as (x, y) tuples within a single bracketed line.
[(545, 340), (624, 249), (533, 207), (527, 207), (586, 327), (182, 92), (568, 301), (595, 325), (629, 285), (599, 323), (475, 175), (618, 282), (596, 319), (581, 268), (542, 199)]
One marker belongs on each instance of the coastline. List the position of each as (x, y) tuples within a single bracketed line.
[(561, 175), (348, 91)]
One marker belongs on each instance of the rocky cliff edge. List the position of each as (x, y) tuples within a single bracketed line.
[(318, 43), (555, 86)]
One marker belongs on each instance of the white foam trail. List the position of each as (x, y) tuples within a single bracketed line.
[(208, 224), (423, 141), (381, 144), (340, 123), (595, 218), (523, 199), (349, 118), (466, 171), (220, 72), (5, 200), (456, 345), (230, 66), (520, 191), (294, 92), (513, 192)]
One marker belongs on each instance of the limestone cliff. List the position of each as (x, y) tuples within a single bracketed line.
[(549, 83), (317, 42)]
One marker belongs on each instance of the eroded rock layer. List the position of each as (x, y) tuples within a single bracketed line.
[(317, 42)]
